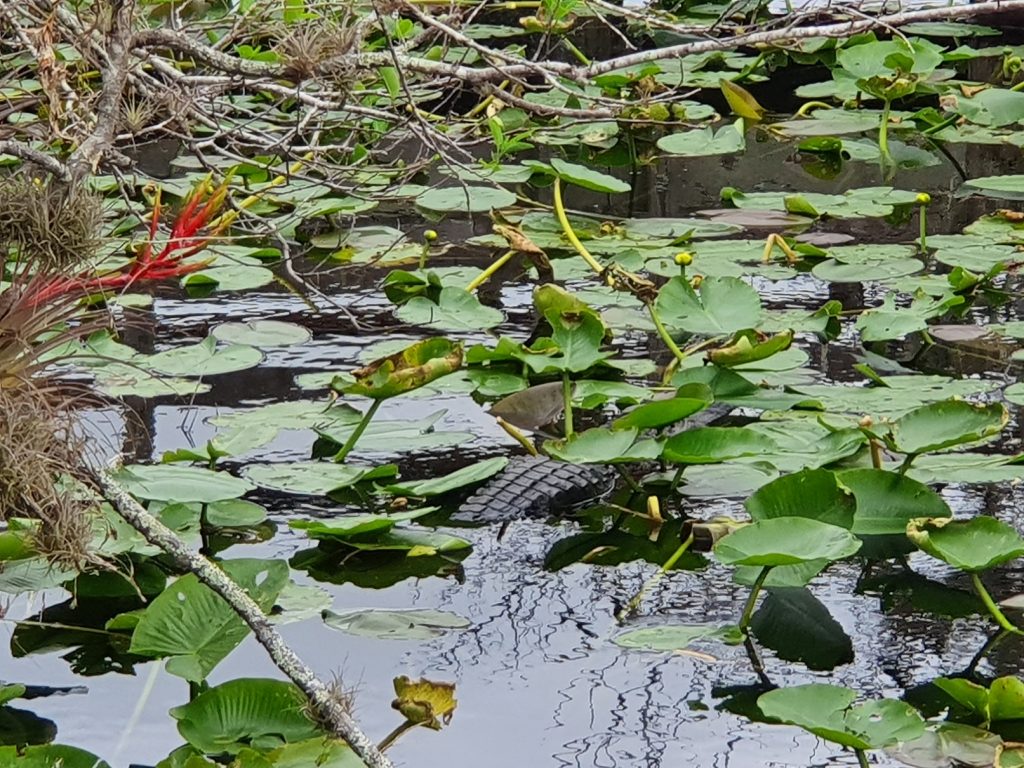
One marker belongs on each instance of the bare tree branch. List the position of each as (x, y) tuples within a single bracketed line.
[(330, 711)]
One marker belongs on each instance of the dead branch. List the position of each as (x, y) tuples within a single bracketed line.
[(330, 711)]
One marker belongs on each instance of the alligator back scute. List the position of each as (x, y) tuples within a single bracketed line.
[(536, 486)]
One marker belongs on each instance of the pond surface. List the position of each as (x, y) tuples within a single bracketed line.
[(539, 682)]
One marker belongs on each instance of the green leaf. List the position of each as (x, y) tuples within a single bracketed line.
[(710, 445), (662, 413), (741, 102), (248, 712), (603, 446), (588, 178), (460, 478), (705, 141), (412, 624), (402, 372), (942, 425), (812, 493), (785, 541), (50, 756), (465, 199), (826, 711), (455, 310), (723, 306), (194, 628), (971, 545), (315, 478), (1003, 700), (887, 501), (10, 692), (166, 482), (202, 359), (669, 637), (262, 333), (1005, 187)]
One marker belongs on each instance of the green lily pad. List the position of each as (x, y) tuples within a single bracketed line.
[(785, 541), (50, 756), (202, 359), (812, 493), (243, 713), (705, 141), (887, 501), (943, 425), (710, 445), (314, 478), (194, 628), (971, 545), (455, 310), (828, 711), (588, 178), (603, 446), (723, 306), (413, 367), (166, 482), (460, 478), (465, 199), (670, 637), (412, 624), (262, 333), (661, 413)]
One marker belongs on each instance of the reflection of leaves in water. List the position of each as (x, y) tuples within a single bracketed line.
[(19, 726), (374, 570), (91, 650)]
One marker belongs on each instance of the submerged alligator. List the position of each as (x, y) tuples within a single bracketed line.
[(539, 486), (536, 486)]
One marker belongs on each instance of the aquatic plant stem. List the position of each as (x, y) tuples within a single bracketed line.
[(330, 710), (663, 333), (518, 436), (392, 737), (341, 455), (862, 758), (883, 140), (567, 400), (658, 575), (570, 234), (993, 609), (748, 609), (488, 273)]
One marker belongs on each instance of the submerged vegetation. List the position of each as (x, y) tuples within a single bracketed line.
[(759, 272)]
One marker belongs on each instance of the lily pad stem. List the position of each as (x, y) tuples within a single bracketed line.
[(663, 333), (567, 398), (658, 575), (518, 436), (993, 609), (883, 138), (570, 235), (862, 758), (748, 609), (392, 737), (488, 273), (808, 106), (341, 455)]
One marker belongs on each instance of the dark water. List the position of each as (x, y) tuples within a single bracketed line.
[(538, 681)]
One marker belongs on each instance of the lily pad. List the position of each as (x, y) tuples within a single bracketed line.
[(973, 545), (413, 624), (828, 711), (262, 333), (166, 482), (785, 541)]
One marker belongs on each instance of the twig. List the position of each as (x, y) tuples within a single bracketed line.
[(330, 711), (43, 160)]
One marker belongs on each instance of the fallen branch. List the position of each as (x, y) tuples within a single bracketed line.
[(43, 160), (328, 708)]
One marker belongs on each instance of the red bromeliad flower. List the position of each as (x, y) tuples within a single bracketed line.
[(186, 239)]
